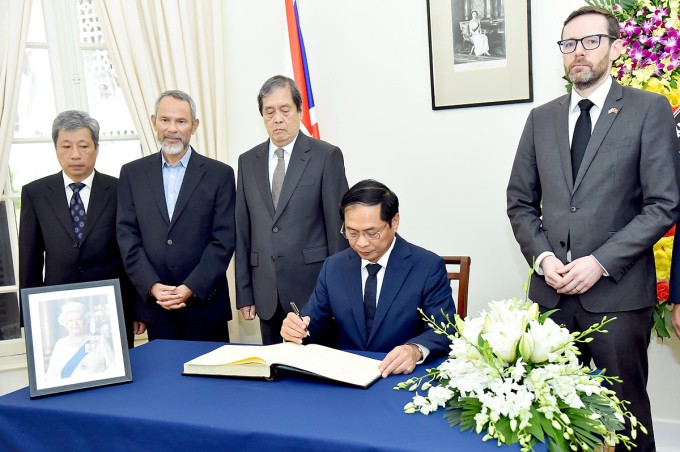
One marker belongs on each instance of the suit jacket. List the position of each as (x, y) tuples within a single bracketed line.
[(414, 278), (194, 248), (624, 198), (279, 254), (46, 237)]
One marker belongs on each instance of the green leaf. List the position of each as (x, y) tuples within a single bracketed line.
[(503, 426), (587, 436), (453, 416), (662, 321), (469, 408), (545, 315), (534, 427), (555, 439)]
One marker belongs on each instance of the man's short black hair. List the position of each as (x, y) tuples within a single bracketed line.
[(370, 192)]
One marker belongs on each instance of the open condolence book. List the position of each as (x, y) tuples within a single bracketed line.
[(262, 361)]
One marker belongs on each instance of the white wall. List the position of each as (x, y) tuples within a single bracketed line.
[(370, 73)]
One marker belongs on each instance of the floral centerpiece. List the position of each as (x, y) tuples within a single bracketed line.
[(515, 375), (650, 30)]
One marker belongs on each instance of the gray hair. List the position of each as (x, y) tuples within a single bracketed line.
[(179, 95), (69, 308), (280, 81), (73, 120)]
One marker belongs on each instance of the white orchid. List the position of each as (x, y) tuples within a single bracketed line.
[(519, 366)]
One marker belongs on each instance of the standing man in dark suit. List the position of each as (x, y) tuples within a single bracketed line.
[(176, 230), (286, 225), (374, 290), (73, 249), (590, 216)]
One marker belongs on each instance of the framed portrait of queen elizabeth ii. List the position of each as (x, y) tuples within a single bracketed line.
[(480, 52), (75, 337)]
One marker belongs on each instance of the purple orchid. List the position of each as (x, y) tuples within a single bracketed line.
[(648, 26), (657, 17), (631, 28), (671, 41)]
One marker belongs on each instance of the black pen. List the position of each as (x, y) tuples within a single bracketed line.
[(297, 312)]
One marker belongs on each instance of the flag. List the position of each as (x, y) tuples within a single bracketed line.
[(300, 69)]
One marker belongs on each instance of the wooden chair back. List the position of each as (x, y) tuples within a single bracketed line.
[(461, 274)]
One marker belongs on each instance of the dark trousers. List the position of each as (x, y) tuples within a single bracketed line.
[(622, 351), (271, 329)]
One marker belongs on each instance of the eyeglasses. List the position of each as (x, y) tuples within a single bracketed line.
[(354, 235), (591, 42)]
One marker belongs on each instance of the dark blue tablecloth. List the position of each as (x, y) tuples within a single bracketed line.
[(164, 410)]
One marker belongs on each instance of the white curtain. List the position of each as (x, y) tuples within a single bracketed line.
[(14, 18), (156, 45)]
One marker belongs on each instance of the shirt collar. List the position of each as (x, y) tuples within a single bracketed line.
[(597, 97), (288, 149), (87, 181), (184, 161)]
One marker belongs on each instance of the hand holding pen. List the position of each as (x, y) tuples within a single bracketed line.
[(294, 327), (297, 312)]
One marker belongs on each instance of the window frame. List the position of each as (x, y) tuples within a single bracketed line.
[(60, 21)]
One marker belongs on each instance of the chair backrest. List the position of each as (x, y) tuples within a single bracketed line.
[(465, 29), (462, 276)]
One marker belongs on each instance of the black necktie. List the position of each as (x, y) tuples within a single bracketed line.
[(579, 140), (77, 210), (370, 291)]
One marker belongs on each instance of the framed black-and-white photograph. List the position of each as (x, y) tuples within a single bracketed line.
[(480, 52), (75, 337)]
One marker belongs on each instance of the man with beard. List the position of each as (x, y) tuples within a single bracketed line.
[(594, 185), (176, 230)]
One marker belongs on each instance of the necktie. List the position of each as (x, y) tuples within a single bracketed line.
[(277, 180), (370, 290), (77, 210), (579, 141)]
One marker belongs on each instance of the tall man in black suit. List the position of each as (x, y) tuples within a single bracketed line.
[(286, 225), (591, 217), (176, 230), (48, 235)]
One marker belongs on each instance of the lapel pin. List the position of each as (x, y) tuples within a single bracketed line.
[(613, 110)]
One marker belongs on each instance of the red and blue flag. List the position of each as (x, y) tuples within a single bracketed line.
[(300, 68)]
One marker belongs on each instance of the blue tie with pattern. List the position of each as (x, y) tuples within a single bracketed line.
[(77, 210)]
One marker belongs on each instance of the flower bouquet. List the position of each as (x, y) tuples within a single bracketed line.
[(515, 374), (651, 43), (650, 31)]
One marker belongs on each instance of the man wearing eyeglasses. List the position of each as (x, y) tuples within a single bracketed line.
[(594, 185), (369, 295)]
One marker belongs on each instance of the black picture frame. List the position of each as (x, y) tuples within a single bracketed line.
[(75, 337), (479, 61)]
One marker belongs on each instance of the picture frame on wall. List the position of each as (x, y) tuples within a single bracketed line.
[(75, 337), (480, 52)]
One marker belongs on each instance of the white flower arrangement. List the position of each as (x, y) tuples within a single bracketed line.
[(515, 374)]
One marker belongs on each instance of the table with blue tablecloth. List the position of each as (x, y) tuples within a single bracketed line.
[(161, 409)]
